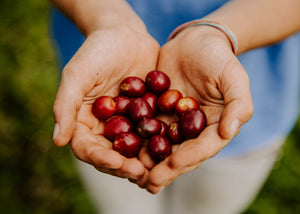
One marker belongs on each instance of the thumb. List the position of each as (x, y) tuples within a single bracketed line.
[(67, 103), (238, 101)]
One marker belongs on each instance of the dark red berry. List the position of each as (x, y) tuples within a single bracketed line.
[(164, 128), (185, 104), (117, 125), (138, 109), (152, 100), (132, 87), (157, 82), (191, 123), (127, 144), (159, 148), (173, 134), (167, 101), (148, 127), (104, 107), (122, 103)]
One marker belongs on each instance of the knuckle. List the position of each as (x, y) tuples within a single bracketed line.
[(154, 180), (249, 110), (55, 107), (176, 162)]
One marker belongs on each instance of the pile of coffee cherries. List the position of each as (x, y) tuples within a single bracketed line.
[(131, 117)]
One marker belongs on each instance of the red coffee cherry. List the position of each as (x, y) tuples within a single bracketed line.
[(127, 144), (159, 148), (167, 101), (191, 123), (138, 102), (104, 107), (157, 82), (148, 127), (173, 134), (152, 100), (164, 128), (132, 87), (122, 103), (138, 109), (117, 125), (185, 104)]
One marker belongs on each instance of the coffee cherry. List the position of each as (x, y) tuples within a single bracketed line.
[(122, 103), (185, 104), (117, 125), (167, 101), (159, 148), (148, 127), (164, 128), (132, 87), (138, 109), (104, 107), (152, 100), (127, 144), (191, 123), (173, 134), (157, 82), (139, 102)]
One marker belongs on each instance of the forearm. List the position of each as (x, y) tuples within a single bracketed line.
[(89, 15), (259, 22)]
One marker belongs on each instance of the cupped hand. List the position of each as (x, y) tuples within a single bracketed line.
[(104, 59), (200, 63)]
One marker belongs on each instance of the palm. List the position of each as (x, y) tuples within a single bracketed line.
[(208, 71), (97, 68)]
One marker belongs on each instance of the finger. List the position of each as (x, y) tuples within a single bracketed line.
[(142, 181), (68, 102), (65, 110), (194, 151), (79, 76), (94, 150), (160, 177), (187, 157), (131, 169), (145, 158), (98, 152), (238, 109)]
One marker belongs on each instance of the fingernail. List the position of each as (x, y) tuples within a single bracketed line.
[(56, 130), (235, 125)]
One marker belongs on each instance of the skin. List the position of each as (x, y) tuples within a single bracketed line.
[(199, 62), (78, 90)]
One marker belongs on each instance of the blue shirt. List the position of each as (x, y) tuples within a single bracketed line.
[(273, 71)]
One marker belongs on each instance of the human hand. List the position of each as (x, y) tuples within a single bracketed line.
[(201, 64), (105, 58)]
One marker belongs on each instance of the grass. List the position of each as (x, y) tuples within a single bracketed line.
[(36, 176), (280, 194)]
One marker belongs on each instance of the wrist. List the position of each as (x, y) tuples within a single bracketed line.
[(103, 15), (207, 35), (109, 21), (210, 24), (92, 15)]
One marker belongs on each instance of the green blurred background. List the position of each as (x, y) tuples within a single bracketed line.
[(36, 176)]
